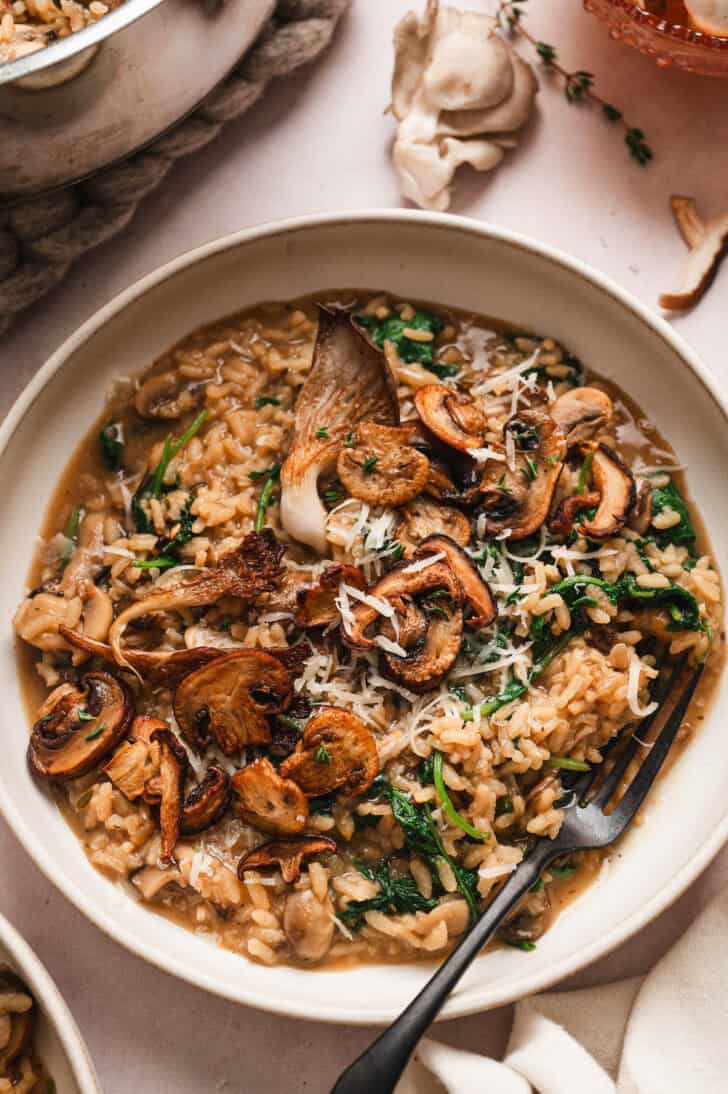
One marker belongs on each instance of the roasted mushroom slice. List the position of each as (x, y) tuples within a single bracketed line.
[(379, 468), (286, 854), (77, 727), (228, 700), (641, 515), (317, 606), (423, 518), (164, 668), (581, 413), (562, 522), (173, 765), (516, 494), (614, 483), (428, 606), (167, 395), (268, 800), (336, 751), (207, 802), (456, 421), (349, 382), (476, 593), (135, 763)]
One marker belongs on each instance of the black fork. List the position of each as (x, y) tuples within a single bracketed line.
[(586, 826)]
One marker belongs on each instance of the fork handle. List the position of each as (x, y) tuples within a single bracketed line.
[(379, 1068)]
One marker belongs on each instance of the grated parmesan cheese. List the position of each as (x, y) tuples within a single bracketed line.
[(423, 563)]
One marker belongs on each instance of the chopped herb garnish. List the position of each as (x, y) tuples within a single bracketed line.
[(446, 802), (565, 763), (71, 534), (369, 464), (85, 798), (562, 871), (111, 442), (290, 723), (323, 755), (501, 484), (503, 805), (537, 887), (530, 470), (322, 434), (266, 400), (83, 715), (520, 944), (265, 497), (583, 474), (425, 772), (95, 733), (331, 496), (349, 440)]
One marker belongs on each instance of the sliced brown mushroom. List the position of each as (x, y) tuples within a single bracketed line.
[(167, 395), (562, 522), (381, 470), (614, 483), (228, 700), (136, 761), (517, 499), (476, 593), (708, 243), (207, 802), (429, 601), (317, 606), (161, 666), (173, 766), (423, 518), (77, 727), (641, 515), (336, 751), (349, 382), (581, 413), (456, 421), (268, 800), (248, 571), (286, 854)]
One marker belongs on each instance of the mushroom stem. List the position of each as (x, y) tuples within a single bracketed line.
[(708, 243)]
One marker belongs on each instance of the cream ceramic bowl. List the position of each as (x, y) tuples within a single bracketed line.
[(57, 1037), (453, 261)]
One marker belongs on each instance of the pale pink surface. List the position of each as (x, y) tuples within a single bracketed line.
[(320, 143)]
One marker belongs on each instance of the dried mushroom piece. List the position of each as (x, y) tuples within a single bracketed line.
[(207, 802), (459, 93), (228, 701), (378, 466), (268, 800), (423, 518), (286, 854), (168, 395), (562, 522), (708, 243), (349, 382), (78, 726), (428, 606), (173, 766), (317, 606), (516, 494), (614, 482), (481, 605), (456, 421), (336, 752), (581, 413), (135, 763), (641, 516), (161, 666)]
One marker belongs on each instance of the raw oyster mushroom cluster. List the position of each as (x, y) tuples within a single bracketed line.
[(459, 93)]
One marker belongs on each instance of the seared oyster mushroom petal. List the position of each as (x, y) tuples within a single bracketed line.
[(476, 592), (349, 382), (228, 700), (286, 854), (381, 470), (457, 422), (336, 750), (268, 800), (64, 745), (161, 666), (614, 483), (581, 413), (316, 607)]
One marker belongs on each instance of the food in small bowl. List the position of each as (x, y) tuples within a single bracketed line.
[(328, 605), (690, 34), (21, 1069), (29, 25)]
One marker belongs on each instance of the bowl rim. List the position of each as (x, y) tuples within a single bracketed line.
[(44, 989), (80, 40), (666, 27), (521, 985)]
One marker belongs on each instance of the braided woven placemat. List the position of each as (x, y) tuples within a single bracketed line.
[(41, 238)]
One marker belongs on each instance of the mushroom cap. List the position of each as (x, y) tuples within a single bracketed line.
[(423, 518), (268, 800), (173, 765), (287, 854), (470, 66), (379, 468), (562, 522), (207, 802), (708, 243), (228, 699), (64, 746), (614, 483), (456, 421), (167, 395), (316, 607), (503, 117), (336, 751), (476, 592), (581, 412), (349, 382)]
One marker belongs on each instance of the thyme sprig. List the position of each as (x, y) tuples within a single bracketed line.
[(578, 86)]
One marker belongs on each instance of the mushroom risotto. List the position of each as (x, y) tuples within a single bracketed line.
[(330, 604), (21, 1072)]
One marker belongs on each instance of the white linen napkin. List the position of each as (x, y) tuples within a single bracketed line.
[(664, 1033)]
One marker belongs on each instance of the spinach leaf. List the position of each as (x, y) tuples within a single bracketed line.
[(397, 895), (111, 442), (392, 330), (669, 497), (152, 486)]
